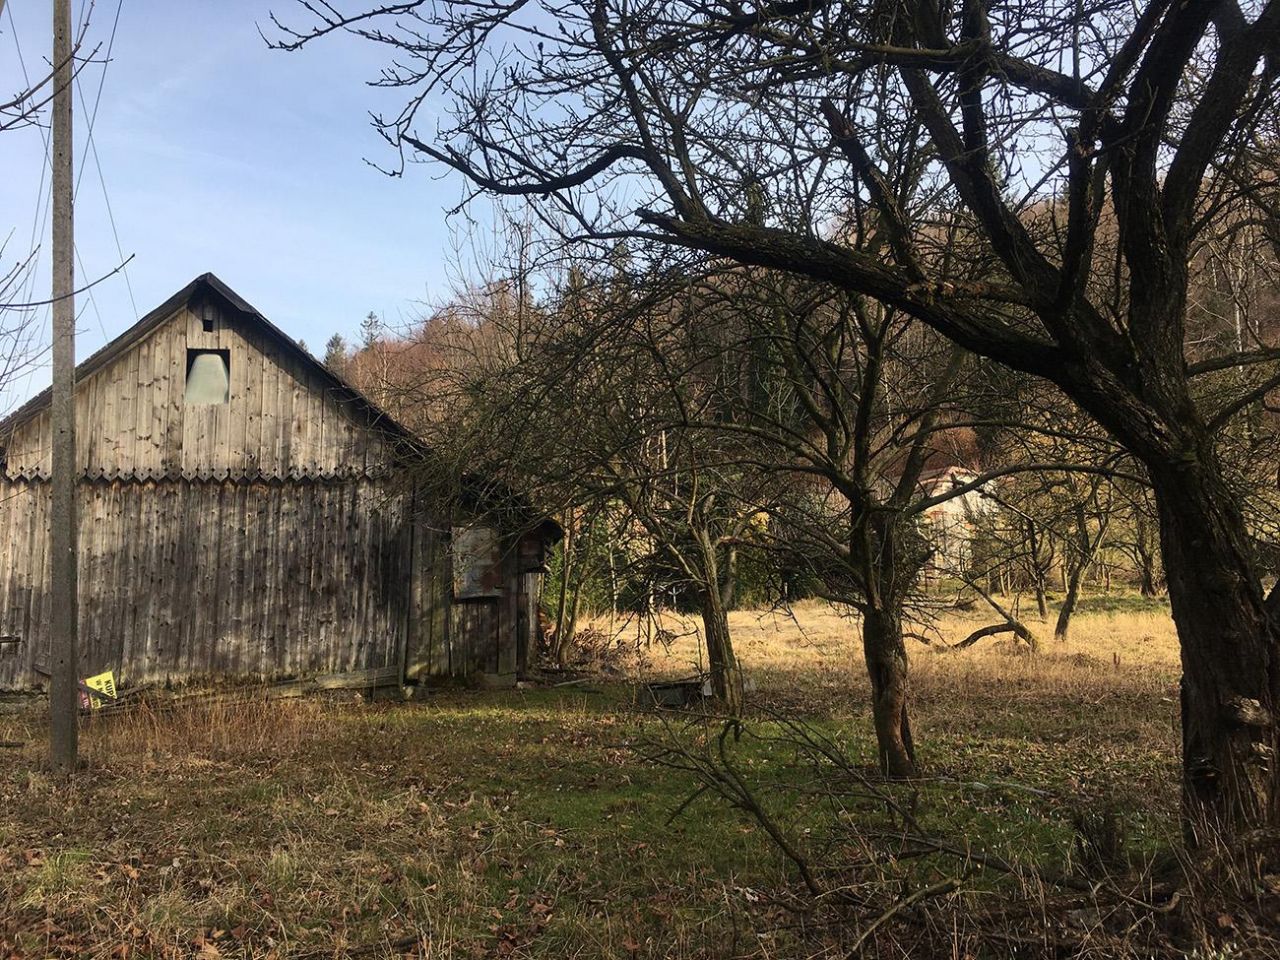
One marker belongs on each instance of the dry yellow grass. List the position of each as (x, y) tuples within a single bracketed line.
[(817, 647), (814, 633), (1095, 714)]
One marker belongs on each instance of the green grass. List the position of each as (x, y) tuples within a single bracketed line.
[(528, 824), (1119, 602)]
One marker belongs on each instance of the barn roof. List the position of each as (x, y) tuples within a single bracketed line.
[(208, 285)]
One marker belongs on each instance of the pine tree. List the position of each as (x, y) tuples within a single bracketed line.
[(335, 354)]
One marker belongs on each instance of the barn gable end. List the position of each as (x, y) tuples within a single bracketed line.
[(285, 416)]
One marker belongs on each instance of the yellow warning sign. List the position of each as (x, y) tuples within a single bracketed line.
[(103, 683)]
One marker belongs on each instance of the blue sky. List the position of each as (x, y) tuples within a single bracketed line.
[(221, 155)]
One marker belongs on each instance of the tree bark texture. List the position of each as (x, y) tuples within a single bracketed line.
[(1231, 673), (1068, 607), (886, 656), (726, 678)]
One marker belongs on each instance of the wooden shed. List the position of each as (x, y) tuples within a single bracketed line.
[(244, 512)]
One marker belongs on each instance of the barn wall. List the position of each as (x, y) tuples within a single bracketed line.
[(429, 653), (179, 579), (261, 537), (132, 421)]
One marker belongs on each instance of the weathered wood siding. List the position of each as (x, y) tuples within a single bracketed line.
[(182, 579), (429, 651), (132, 422), (266, 536)]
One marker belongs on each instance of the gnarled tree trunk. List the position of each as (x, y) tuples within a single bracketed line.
[(886, 656), (1230, 655)]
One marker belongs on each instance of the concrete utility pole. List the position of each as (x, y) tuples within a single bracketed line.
[(64, 694)]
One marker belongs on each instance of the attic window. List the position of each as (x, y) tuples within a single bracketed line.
[(208, 376), (207, 323)]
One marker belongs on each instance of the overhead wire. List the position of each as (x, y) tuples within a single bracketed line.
[(92, 146), (75, 247), (44, 196), (40, 218), (45, 199)]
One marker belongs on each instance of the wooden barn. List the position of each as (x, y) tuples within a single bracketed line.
[(244, 512)]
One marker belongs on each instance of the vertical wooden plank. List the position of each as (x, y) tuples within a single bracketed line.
[(92, 573), (137, 579), (86, 439), (101, 404), (188, 547), (176, 382), (46, 445), (140, 461), (217, 566), (241, 528), (336, 615), (39, 612), (251, 408), (159, 400), (187, 529), (24, 571), (362, 635), (303, 616), (298, 430), (321, 428), (272, 422), (285, 423), (20, 579), (120, 436), (291, 571), (236, 452), (258, 553), (11, 657), (160, 575), (282, 564)]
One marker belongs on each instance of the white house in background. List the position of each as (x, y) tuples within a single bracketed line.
[(951, 521)]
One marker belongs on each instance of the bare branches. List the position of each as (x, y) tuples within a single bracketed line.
[(24, 107), (1218, 110), (534, 183), (942, 307), (1031, 181)]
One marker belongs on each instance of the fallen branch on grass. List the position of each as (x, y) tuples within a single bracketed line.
[(1010, 624), (1021, 632)]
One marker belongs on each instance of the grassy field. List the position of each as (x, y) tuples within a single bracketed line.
[(529, 824)]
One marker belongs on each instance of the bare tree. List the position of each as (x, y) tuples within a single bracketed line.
[(865, 421), (744, 131), (841, 402)]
